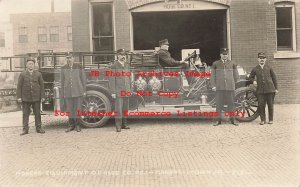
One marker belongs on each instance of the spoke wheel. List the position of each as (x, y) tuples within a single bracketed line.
[(94, 103), (246, 101)]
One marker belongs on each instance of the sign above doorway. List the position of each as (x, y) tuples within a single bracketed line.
[(137, 3)]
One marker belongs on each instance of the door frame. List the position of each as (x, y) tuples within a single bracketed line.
[(200, 5)]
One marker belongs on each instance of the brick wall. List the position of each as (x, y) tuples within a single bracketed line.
[(122, 24), (80, 24), (247, 31)]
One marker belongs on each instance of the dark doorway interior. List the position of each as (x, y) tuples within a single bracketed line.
[(205, 30)]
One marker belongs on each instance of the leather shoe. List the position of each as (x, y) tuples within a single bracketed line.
[(78, 128), (262, 123), (234, 123), (270, 122), (118, 130), (24, 132), (69, 129), (125, 127), (40, 130), (218, 123)]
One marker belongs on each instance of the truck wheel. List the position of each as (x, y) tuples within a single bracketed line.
[(246, 101), (94, 102)]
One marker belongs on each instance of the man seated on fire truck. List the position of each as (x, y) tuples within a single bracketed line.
[(165, 59)]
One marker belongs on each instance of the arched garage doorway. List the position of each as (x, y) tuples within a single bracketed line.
[(202, 25)]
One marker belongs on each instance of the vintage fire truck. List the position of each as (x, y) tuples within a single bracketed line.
[(152, 86)]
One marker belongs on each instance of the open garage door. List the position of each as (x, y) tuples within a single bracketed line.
[(202, 29)]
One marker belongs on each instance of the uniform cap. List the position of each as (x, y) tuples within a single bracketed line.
[(69, 54), (163, 42), (121, 51), (224, 51), (30, 59), (261, 54)]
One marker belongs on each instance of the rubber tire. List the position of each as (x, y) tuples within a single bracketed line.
[(107, 102), (256, 114)]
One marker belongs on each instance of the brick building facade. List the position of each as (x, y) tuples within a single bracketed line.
[(41, 31), (30, 32), (246, 27)]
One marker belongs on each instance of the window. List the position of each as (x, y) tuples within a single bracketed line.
[(103, 38), (23, 37), (42, 34), (2, 39), (69, 33), (54, 36), (285, 27)]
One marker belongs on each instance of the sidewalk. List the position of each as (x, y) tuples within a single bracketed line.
[(12, 119)]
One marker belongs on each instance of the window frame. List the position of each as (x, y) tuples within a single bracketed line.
[(293, 40), (52, 34), (69, 34), (2, 39), (22, 35), (95, 37), (40, 35)]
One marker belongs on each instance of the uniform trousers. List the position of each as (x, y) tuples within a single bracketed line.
[(72, 105), (224, 97), (121, 104), (263, 99), (36, 106)]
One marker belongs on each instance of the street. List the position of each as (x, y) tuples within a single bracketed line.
[(154, 152)]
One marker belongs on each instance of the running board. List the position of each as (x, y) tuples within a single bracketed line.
[(179, 105)]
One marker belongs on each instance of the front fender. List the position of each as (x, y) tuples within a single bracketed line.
[(101, 89)]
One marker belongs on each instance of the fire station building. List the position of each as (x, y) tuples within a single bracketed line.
[(246, 27)]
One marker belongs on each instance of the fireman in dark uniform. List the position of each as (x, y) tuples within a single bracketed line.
[(266, 87), (165, 59), (119, 84), (224, 75), (30, 91), (73, 84)]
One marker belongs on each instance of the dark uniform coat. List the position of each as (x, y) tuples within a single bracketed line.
[(30, 87), (266, 79), (120, 83), (73, 81), (165, 59), (224, 75)]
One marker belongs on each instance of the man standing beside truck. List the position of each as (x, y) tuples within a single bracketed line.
[(30, 91), (120, 84), (73, 85), (224, 75)]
